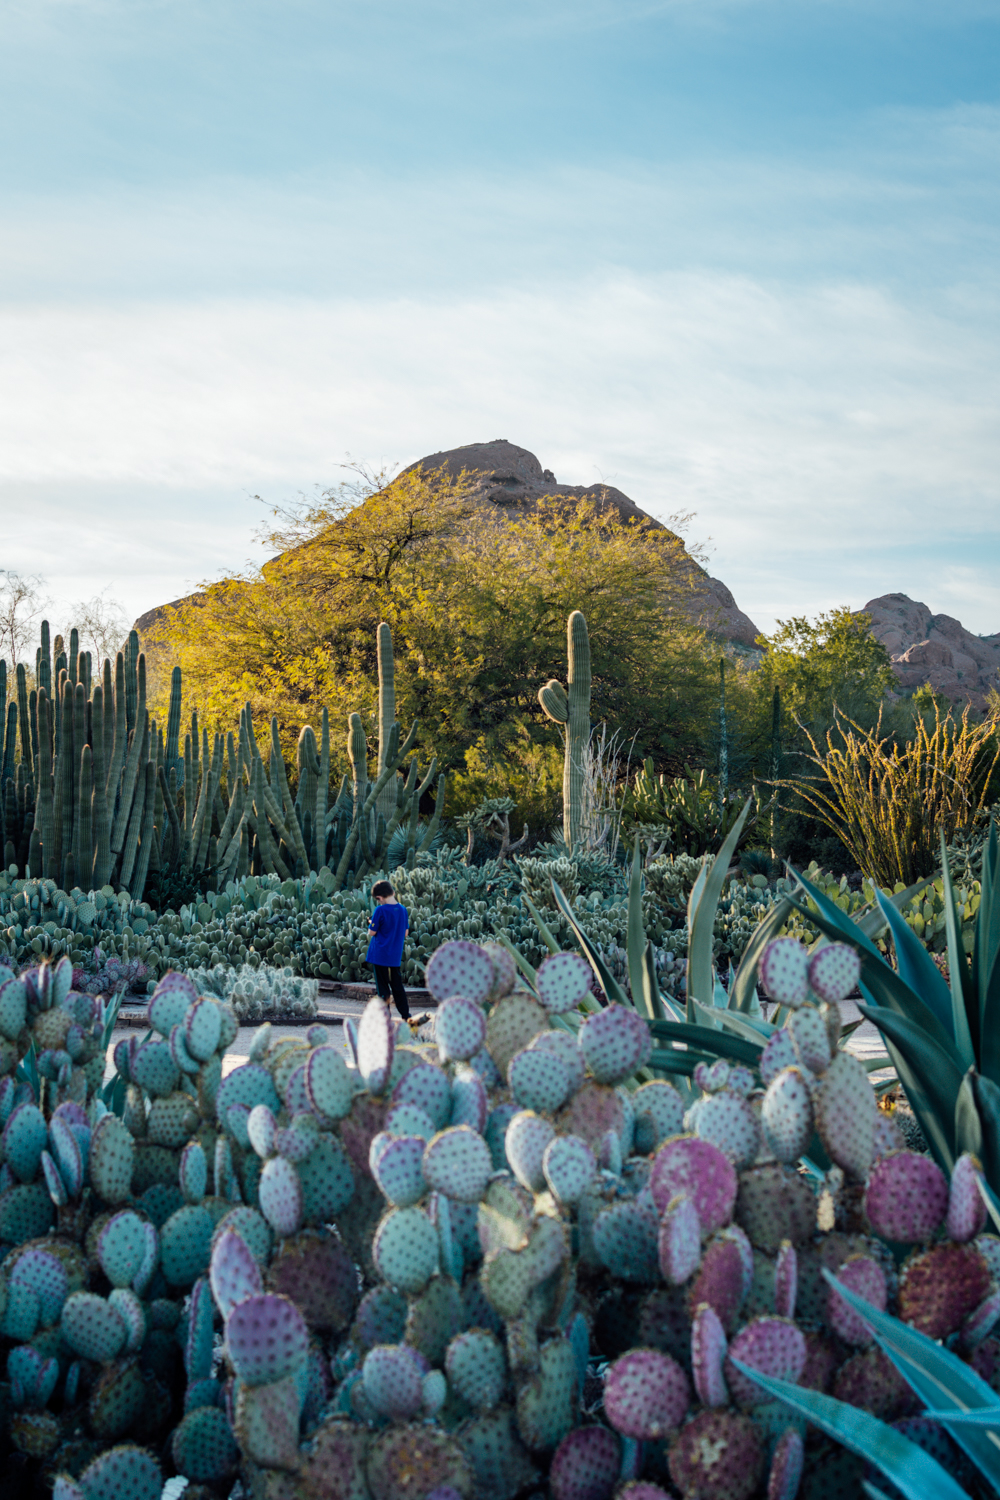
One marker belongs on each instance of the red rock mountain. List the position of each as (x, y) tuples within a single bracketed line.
[(505, 475), (935, 649), (509, 476)]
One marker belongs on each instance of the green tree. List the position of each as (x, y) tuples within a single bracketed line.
[(822, 666), (824, 669), (477, 601)]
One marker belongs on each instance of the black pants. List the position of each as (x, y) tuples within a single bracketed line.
[(387, 979)]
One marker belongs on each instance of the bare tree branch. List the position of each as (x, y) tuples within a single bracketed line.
[(21, 602)]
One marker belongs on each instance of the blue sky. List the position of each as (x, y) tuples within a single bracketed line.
[(736, 258)]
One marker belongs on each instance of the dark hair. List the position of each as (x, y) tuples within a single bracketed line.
[(382, 888)]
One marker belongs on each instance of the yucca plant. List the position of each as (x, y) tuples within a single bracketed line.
[(889, 803), (943, 1038)]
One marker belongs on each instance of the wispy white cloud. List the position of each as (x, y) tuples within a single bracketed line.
[(906, 197), (835, 442)]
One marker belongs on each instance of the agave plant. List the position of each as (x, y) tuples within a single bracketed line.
[(956, 1395), (943, 1037), (715, 1023)]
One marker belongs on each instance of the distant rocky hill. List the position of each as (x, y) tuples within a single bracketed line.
[(510, 476), (924, 647), (935, 649)]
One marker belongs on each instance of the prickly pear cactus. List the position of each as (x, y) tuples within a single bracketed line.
[(497, 1260)]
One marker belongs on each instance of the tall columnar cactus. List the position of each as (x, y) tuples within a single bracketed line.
[(775, 767), (94, 793), (723, 741), (385, 804), (570, 706)]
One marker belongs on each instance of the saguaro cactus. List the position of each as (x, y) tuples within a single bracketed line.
[(386, 804), (723, 741), (570, 706)]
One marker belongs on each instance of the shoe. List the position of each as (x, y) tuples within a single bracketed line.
[(416, 1021)]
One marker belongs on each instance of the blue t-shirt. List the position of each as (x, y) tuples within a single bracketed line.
[(390, 924)]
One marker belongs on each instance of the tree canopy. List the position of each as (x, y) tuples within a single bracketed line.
[(822, 666), (477, 601)]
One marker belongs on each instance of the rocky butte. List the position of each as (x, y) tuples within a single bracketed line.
[(924, 647), (504, 475), (508, 476), (937, 649)]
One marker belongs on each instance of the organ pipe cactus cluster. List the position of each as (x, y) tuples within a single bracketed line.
[(80, 805), (94, 795), (501, 1258), (570, 707)]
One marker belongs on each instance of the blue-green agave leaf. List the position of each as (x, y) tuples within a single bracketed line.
[(987, 1097), (965, 1013), (912, 1470), (744, 986), (539, 921), (701, 915), (991, 1200), (752, 1030), (635, 941), (940, 1379), (111, 1017), (917, 969), (930, 1078), (982, 1417), (985, 961), (968, 1122), (675, 1060), (522, 963), (718, 1043), (609, 983), (659, 1005), (871, 921)]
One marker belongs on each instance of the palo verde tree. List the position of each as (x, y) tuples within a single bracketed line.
[(477, 602)]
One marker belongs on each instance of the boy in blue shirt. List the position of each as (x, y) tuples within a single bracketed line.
[(387, 931)]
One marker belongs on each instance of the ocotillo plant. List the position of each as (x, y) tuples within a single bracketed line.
[(570, 706)]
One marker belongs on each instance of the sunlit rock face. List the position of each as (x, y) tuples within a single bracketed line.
[(505, 475), (935, 648)]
